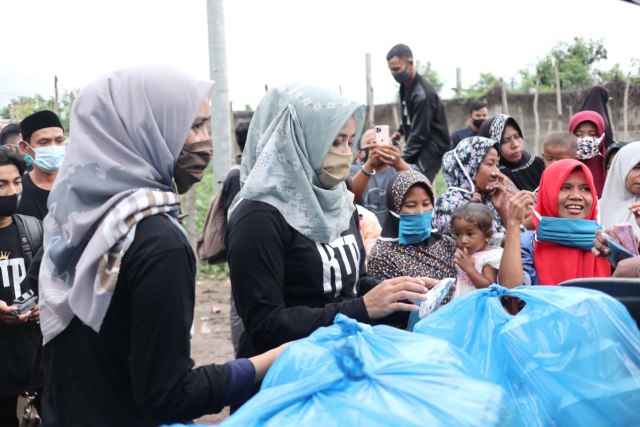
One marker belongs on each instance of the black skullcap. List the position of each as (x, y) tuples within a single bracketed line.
[(40, 120)]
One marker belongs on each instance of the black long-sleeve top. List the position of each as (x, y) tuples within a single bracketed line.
[(137, 370), (424, 123), (286, 285)]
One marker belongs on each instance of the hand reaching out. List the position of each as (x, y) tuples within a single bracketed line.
[(6, 315)]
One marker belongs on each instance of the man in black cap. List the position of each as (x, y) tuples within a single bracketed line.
[(43, 138)]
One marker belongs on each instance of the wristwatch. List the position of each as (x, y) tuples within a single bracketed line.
[(364, 171)]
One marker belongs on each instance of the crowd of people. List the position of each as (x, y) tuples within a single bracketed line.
[(89, 223)]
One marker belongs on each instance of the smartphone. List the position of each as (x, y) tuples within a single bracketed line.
[(626, 237), (24, 303), (382, 134), (435, 297), (618, 252)]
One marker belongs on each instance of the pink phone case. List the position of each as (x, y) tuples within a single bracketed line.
[(624, 233)]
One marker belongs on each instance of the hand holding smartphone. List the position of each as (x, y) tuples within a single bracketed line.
[(382, 134), (617, 251)]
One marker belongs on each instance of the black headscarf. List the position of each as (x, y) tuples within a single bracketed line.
[(397, 188), (596, 100), (527, 172), (613, 149)]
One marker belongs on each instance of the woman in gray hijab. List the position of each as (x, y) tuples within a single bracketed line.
[(296, 256), (117, 280)]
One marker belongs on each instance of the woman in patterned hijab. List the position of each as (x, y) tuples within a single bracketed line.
[(430, 255), (471, 172), (516, 163)]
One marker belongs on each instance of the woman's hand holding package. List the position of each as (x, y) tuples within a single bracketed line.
[(391, 295)]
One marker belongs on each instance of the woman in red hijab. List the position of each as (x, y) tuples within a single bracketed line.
[(589, 127), (565, 222)]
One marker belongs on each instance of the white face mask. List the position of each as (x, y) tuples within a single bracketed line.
[(588, 147), (335, 169)]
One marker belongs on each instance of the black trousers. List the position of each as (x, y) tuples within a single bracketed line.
[(8, 408)]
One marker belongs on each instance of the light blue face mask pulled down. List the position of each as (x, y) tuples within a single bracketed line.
[(49, 159), (414, 228), (575, 233)]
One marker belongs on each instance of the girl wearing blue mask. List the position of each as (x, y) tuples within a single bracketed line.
[(565, 221), (408, 246)]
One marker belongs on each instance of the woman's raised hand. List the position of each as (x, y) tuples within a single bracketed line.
[(518, 206)]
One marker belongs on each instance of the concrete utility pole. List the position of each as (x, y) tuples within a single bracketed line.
[(370, 105), (220, 107)]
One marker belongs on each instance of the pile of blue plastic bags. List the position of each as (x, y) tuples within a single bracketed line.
[(569, 357)]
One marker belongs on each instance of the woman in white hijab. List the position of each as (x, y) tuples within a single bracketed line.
[(117, 281), (296, 256), (622, 188)]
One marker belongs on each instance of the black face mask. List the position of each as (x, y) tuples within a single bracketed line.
[(9, 204), (478, 122), (191, 163)]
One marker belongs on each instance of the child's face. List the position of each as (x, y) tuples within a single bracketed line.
[(632, 182), (468, 235), (586, 129), (552, 153)]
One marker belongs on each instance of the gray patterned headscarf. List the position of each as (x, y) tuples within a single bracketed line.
[(459, 168), (290, 134), (127, 130)]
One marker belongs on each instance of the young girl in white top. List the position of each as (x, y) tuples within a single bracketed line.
[(477, 262)]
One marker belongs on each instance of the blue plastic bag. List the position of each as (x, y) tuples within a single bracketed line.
[(352, 374), (571, 356)]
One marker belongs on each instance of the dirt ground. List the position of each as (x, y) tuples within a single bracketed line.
[(211, 336)]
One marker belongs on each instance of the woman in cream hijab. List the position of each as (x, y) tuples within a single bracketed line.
[(296, 257)]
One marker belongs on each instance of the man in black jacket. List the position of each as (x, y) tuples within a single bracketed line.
[(424, 124)]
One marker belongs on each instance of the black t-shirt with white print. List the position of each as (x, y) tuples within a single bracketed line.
[(286, 285), (19, 342)]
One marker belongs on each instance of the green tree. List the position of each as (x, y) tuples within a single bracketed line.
[(21, 107), (575, 61), (432, 76), (485, 84), (614, 73)]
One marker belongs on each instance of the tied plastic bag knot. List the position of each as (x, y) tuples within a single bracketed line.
[(348, 326), (348, 361), (497, 291)]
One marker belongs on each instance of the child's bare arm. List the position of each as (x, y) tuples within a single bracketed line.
[(480, 280)]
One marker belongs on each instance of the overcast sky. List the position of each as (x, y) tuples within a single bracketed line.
[(279, 41)]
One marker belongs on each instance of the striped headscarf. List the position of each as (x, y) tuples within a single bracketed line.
[(127, 130)]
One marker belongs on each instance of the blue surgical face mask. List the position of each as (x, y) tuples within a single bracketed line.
[(28, 159), (402, 76), (414, 228), (49, 159), (575, 233)]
